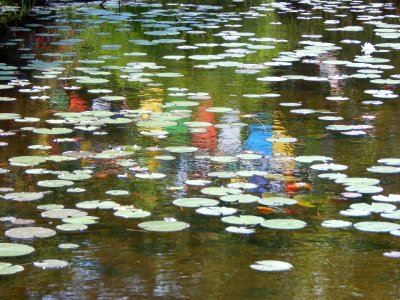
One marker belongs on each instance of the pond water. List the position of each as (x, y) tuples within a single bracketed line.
[(282, 113)]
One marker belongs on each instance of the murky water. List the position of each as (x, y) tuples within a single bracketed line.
[(265, 76)]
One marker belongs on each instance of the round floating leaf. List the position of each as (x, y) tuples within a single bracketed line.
[(117, 192), (243, 220), (216, 211), (355, 213), (271, 266), (222, 174), (393, 215), (277, 201), (24, 196), (26, 161), (242, 185), (390, 198), (67, 246), (30, 232), (54, 183), (86, 220), (220, 191), (51, 264), (376, 226), (52, 131), (390, 161), (72, 227), (224, 159), (336, 224), (11, 250), (384, 169), (357, 181), (329, 167), (8, 269), (50, 206), (181, 149), (374, 207), (164, 226), (195, 202), (197, 182), (150, 175), (63, 213), (240, 230), (241, 198), (73, 176), (284, 224), (132, 214), (97, 204), (364, 189)]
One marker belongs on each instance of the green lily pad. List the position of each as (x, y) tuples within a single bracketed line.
[(389, 198), (242, 185), (63, 213), (11, 249), (357, 181), (53, 131), (336, 224), (164, 226), (50, 206), (376, 226), (54, 183), (68, 246), (240, 230), (390, 161), (150, 175), (271, 266), (86, 220), (74, 176), (72, 227), (9, 269), (24, 196), (393, 215), (97, 204), (117, 192), (30, 232), (132, 214), (220, 191), (289, 224), (216, 211), (51, 264), (364, 189), (243, 220), (195, 202), (9, 116), (197, 182), (384, 169), (240, 198), (181, 149), (329, 167), (222, 174), (27, 161), (224, 159), (312, 158), (277, 201)]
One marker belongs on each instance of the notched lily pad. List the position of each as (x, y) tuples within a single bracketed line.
[(164, 226), (30, 232), (11, 249), (8, 269)]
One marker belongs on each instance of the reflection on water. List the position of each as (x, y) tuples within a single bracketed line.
[(156, 55)]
